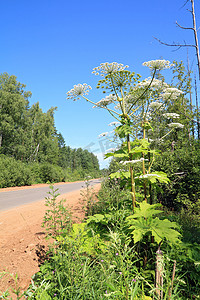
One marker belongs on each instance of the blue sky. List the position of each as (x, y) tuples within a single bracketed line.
[(52, 45)]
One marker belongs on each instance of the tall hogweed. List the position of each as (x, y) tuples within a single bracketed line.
[(138, 106)]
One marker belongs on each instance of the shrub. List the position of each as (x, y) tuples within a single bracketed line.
[(14, 173)]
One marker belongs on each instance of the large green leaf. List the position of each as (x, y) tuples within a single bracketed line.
[(146, 210), (122, 174), (142, 222)]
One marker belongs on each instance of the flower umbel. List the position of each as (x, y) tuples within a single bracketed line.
[(176, 125), (171, 94), (103, 134), (108, 68), (106, 101), (78, 90), (171, 115), (131, 162), (155, 105), (153, 84), (158, 64)]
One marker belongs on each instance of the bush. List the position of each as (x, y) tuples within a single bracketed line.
[(14, 173), (17, 173), (183, 169), (51, 173)]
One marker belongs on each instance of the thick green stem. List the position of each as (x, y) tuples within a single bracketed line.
[(131, 173), (143, 168)]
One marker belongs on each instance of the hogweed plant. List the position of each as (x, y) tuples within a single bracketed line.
[(136, 106), (133, 104)]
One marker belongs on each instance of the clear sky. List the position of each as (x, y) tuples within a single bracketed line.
[(50, 45)]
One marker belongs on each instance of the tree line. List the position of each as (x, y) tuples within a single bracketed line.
[(29, 137)]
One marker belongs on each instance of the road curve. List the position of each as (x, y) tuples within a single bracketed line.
[(11, 199)]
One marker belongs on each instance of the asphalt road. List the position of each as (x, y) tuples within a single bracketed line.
[(13, 199)]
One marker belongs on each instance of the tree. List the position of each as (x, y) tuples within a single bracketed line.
[(44, 145), (194, 29), (13, 116)]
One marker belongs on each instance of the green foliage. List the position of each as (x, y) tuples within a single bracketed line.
[(143, 222), (14, 173), (51, 173), (57, 219), (86, 240), (88, 196), (183, 169)]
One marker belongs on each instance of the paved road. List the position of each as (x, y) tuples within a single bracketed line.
[(13, 199)]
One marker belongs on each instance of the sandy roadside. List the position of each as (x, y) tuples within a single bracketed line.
[(21, 234)]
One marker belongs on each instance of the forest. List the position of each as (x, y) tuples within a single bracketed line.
[(31, 149)]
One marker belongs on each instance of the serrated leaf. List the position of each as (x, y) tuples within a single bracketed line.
[(142, 222), (122, 174), (115, 175), (145, 210), (144, 143), (165, 229)]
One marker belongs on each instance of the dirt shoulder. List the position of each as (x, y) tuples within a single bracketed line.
[(21, 235)]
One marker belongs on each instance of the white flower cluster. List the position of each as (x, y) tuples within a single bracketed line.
[(159, 64), (103, 134), (176, 125), (78, 90), (174, 90), (114, 123), (148, 176), (156, 83), (129, 98), (106, 101), (108, 68), (171, 94), (131, 162), (155, 105), (111, 150), (171, 115), (157, 141)]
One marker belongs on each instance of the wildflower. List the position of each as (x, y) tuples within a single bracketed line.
[(171, 115), (148, 176), (108, 68), (130, 162), (176, 125), (155, 105), (55, 295), (54, 271), (155, 83), (81, 264), (158, 64), (120, 273), (103, 134), (117, 253), (111, 150), (106, 101), (102, 260), (174, 90), (114, 123), (134, 279), (171, 94), (159, 141), (78, 90)]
